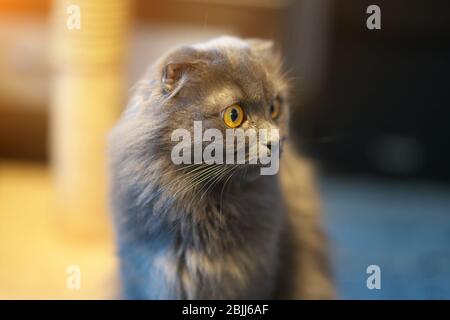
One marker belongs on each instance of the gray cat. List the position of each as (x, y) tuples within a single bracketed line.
[(213, 231)]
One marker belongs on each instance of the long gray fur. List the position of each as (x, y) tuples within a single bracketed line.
[(234, 234)]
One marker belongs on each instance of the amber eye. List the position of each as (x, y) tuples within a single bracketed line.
[(275, 108), (233, 116)]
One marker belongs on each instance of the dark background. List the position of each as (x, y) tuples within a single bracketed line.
[(384, 106)]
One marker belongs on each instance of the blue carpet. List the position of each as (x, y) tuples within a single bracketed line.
[(404, 228)]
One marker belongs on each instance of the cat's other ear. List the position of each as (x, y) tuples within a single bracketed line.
[(261, 48), (268, 52)]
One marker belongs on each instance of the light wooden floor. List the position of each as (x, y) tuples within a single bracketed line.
[(36, 249)]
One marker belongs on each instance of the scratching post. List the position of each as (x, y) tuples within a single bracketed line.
[(87, 95)]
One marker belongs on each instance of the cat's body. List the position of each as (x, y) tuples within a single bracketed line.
[(234, 235)]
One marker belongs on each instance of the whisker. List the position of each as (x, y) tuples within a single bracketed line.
[(218, 174), (223, 189), (198, 178), (216, 180), (212, 174)]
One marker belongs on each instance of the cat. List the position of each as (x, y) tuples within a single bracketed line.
[(213, 231)]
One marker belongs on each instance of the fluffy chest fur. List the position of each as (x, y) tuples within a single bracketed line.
[(223, 247)]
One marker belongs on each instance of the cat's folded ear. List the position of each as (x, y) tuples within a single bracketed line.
[(176, 69), (267, 51), (172, 76), (261, 48)]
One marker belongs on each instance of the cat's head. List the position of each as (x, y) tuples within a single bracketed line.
[(199, 82), (224, 83)]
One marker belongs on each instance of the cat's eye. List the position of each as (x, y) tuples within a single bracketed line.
[(275, 108), (233, 116)]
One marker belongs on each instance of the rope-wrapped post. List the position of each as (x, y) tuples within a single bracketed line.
[(87, 95)]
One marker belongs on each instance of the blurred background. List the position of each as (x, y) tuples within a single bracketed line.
[(371, 109)]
